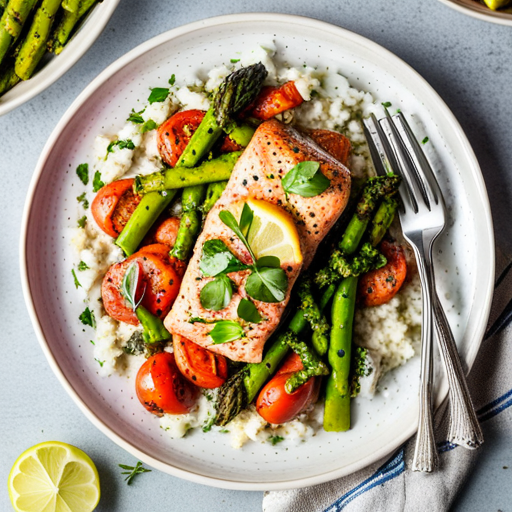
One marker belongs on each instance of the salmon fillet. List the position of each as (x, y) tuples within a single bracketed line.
[(273, 151)]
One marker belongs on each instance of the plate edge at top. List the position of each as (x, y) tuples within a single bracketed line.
[(69, 114)]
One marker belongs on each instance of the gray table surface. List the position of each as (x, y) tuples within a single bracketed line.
[(467, 61)]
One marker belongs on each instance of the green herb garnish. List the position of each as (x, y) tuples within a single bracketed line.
[(77, 282), (234, 61), (148, 126), (158, 94), (87, 318), (82, 221), (216, 294), (217, 258), (133, 471), (172, 80), (121, 144), (226, 331), (130, 283), (386, 104), (247, 311), (82, 199), (425, 140), (96, 182), (83, 266), (305, 180), (82, 172), (101, 363), (136, 117), (275, 439)]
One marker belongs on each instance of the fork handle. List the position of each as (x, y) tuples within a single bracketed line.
[(464, 428), (425, 451)]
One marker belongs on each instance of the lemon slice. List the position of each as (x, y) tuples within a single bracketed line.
[(54, 477), (273, 233), (496, 4)]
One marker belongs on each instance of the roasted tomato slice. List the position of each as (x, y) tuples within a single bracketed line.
[(277, 406), (381, 285), (334, 143), (200, 366), (159, 282), (114, 205), (274, 100), (174, 135), (161, 388)]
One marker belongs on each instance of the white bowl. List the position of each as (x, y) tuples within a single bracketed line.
[(479, 11), (464, 254), (57, 65)]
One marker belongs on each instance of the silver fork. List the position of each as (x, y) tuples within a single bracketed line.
[(423, 219)]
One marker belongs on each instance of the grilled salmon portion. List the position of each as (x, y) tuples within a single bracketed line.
[(273, 151)]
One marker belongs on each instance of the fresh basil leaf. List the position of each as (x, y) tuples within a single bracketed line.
[(130, 283), (267, 284), (217, 258), (229, 219), (82, 221), (246, 219), (148, 126), (247, 311), (172, 80), (305, 180), (87, 318), (121, 144), (135, 117), (226, 331), (158, 94), (216, 294), (82, 172), (82, 199), (96, 182), (269, 261), (77, 282), (83, 266)]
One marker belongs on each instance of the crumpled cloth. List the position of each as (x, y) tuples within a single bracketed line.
[(389, 485)]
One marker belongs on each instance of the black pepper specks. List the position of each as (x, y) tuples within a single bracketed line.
[(341, 353)]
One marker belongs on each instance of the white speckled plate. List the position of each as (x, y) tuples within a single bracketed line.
[(481, 12), (465, 268), (56, 66)]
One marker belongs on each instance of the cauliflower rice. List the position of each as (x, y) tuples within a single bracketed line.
[(391, 332)]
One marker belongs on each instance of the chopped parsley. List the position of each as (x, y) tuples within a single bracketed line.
[(82, 221), (77, 282), (96, 182), (234, 61), (101, 363), (133, 471), (386, 104), (148, 126), (87, 318), (425, 140), (82, 199), (121, 144), (83, 266), (135, 117), (92, 342), (172, 80), (82, 172), (275, 439), (158, 94)]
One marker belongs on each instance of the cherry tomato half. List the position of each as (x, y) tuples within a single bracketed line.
[(334, 143), (114, 205), (277, 406), (162, 389), (159, 282), (174, 135), (274, 100), (200, 366), (381, 285)]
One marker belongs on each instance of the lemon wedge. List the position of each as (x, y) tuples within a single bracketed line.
[(496, 4), (273, 233), (54, 477)]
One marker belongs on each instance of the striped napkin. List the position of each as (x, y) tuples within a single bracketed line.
[(389, 485)]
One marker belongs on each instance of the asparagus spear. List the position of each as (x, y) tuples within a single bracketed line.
[(210, 171), (190, 222), (213, 192), (206, 135), (154, 329), (34, 46), (13, 18), (71, 5), (65, 27)]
